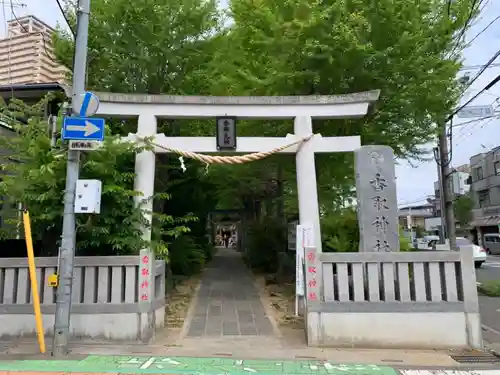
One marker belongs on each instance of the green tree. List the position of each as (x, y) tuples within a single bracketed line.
[(34, 174), (463, 209), (154, 47), (405, 49)]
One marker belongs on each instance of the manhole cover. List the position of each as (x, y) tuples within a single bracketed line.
[(476, 358)]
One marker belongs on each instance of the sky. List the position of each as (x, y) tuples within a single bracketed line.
[(414, 184)]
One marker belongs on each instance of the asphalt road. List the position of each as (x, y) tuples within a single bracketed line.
[(490, 269), (490, 306)]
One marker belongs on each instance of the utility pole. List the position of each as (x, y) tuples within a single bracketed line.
[(447, 193), (442, 230), (67, 250)]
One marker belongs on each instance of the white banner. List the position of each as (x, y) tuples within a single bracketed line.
[(305, 238)]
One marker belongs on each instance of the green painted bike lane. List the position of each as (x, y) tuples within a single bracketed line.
[(194, 366)]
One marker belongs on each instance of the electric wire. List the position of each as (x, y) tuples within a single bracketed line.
[(422, 199), (454, 126), (482, 31), (473, 67), (466, 25), (49, 55), (469, 125), (65, 18)]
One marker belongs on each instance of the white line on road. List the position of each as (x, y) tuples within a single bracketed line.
[(491, 265), (488, 328)]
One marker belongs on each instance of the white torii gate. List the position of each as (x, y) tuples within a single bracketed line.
[(302, 109)]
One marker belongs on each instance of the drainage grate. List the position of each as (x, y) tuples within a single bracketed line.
[(483, 357)]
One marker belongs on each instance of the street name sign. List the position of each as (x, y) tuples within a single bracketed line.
[(476, 111), (83, 129), (84, 145)]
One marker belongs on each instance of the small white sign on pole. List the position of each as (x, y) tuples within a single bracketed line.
[(305, 238), (84, 145), (476, 111)]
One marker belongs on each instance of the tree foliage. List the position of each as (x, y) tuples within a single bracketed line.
[(154, 47), (314, 47), (463, 209), (34, 175)]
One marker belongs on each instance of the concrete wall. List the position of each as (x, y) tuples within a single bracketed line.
[(105, 298), (415, 300)]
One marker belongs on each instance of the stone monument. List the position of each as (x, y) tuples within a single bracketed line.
[(377, 199)]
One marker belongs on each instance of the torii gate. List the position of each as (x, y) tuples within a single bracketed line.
[(302, 109)]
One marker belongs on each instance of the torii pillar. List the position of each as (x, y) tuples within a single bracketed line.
[(302, 109)]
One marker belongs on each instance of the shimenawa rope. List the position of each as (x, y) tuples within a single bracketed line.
[(238, 159)]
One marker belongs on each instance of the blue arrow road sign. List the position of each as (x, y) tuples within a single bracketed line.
[(83, 128)]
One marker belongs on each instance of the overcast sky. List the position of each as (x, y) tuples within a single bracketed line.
[(414, 184)]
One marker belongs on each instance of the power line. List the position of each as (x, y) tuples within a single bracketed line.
[(474, 122), (65, 18), (465, 135), (466, 25), (487, 87), (473, 67), (424, 198), (28, 32), (482, 32)]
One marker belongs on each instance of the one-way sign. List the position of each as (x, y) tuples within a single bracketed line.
[(83, 128)]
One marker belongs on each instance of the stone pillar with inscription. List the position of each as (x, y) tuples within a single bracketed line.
[(146, 295), (377, 199)]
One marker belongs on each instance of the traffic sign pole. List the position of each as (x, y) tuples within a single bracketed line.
[(67, 250)]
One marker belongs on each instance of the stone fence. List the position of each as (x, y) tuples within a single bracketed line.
[(106, 298), (399, 300)]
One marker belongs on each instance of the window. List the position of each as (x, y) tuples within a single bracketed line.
[(479, 173), (491, 239), (483, 198), (497, 167)]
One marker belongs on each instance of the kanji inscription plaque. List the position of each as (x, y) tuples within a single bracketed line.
[(377, 200)]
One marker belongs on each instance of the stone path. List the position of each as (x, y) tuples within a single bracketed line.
[(228, 303)]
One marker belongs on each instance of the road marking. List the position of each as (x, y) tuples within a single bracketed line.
[(493, 264), (148, 363), (488, 328)]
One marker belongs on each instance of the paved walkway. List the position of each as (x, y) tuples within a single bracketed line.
[(228, 303)]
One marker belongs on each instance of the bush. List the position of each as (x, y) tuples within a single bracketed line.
[(340, 232), (266, 239), (404, 243), (490, 288), (186, 257)]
